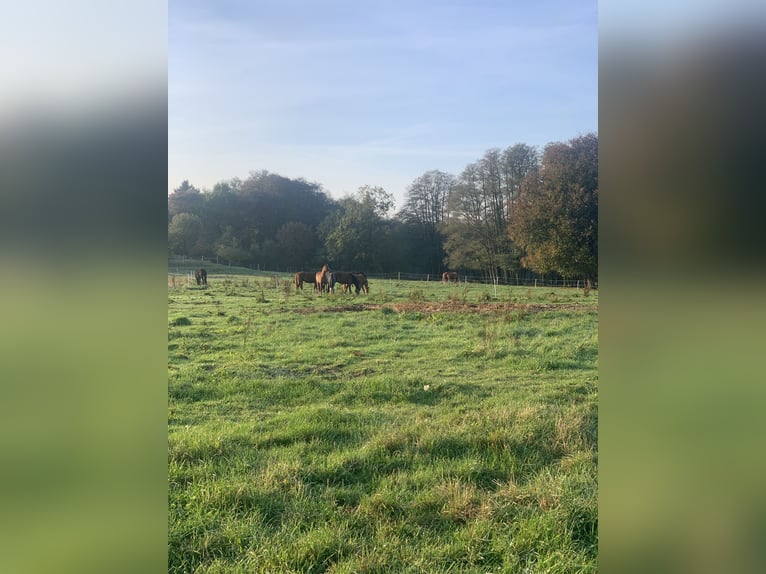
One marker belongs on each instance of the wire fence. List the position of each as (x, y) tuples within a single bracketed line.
[(184, 266), (467, 279)]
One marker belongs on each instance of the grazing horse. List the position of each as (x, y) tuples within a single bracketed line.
[(201, 276), (347, 280), (321, 278), (450, 277), (304, 277), (362, 284)]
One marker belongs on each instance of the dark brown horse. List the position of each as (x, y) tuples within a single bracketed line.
[(304, 277), (362, 284), (346, 279), (201, 276), (331, 279), (450, 277)]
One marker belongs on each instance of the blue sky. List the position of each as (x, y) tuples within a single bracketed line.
[(352, 93)]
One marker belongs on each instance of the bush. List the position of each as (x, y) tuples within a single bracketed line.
[(417, 295)]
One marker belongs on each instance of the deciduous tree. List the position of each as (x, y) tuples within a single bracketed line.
[(184, 231), (479, 218), (185, 199), (425, 211), (358, 235), (555, 220), (297, 244)]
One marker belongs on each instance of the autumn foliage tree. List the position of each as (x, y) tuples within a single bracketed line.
[(555, 219)]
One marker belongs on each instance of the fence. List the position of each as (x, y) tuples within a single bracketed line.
[(465, 278), (177, 263)]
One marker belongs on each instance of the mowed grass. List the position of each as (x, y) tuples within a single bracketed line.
[(422, 428)]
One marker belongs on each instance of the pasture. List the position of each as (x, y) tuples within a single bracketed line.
[(421, 428)]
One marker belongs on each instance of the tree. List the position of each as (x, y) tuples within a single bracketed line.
[(185, 199), (555, 220), (518, 162), (229, 247), (221, 211), (426, 198), (425, 211), (357, 236), (240, 220), (479, 218), (267, 201), (183, 233), (376, 200), (297, 243), (463, 246)]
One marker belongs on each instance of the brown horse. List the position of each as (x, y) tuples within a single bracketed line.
[(362, 284), (321, 279), (304, 277), (450, 277), (201, 276), (346, 279)]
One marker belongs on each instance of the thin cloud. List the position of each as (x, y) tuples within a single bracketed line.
[(392, 88)]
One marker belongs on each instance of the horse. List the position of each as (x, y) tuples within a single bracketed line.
[(304, 277), (362, 284), (330, 279), (321, 279), (201, 276), (346, 279), (450, 277)]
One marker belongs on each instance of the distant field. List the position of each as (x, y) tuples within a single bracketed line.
[(423, 428), (185, 266)]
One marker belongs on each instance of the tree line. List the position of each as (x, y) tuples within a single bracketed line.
[(514, 211)]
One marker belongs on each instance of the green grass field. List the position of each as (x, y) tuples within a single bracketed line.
[(422, 428)]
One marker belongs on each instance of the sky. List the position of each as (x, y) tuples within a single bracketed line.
[(353, 93)]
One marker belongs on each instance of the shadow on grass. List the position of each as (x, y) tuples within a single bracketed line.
[(361, 471), (582, 523), (331, 437), (418, 392)]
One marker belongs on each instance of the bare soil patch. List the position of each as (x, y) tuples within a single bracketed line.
[(452, 307)]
